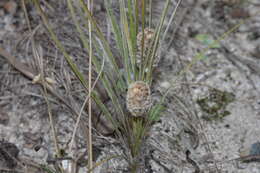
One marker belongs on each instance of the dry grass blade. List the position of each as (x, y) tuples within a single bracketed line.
[(83, 106), (170, 20), (38, 55), (90, 150)]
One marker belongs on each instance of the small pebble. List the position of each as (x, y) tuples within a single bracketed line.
[(10, 7), (255, 149), (165, 84)]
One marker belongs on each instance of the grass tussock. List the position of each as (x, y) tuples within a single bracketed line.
[(119, 78), (137, 46)]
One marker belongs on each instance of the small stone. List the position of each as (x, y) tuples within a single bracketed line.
[(165, 84), (10, 7)]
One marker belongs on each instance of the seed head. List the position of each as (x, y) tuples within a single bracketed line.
[(148, 41), (138, 98)]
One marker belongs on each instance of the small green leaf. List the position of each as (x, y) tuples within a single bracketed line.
[(201, 56), (155, 112), (206, 40)]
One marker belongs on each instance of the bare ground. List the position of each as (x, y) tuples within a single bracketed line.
[(213, 112)]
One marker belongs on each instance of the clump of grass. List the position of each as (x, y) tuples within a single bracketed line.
[(138, 65), (137, 44)]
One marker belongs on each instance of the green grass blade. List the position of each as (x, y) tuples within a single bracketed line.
[(142, 66), (132, 37), (149, 61), (115, 29), (128, 57), (156, 112), (119, 37)]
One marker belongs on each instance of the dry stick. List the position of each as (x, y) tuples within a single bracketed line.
[(90, 157), (245, 159)]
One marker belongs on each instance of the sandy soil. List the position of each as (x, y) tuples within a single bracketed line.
[(213, 111)]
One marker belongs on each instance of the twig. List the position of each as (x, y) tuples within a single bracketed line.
[(245, 159)]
